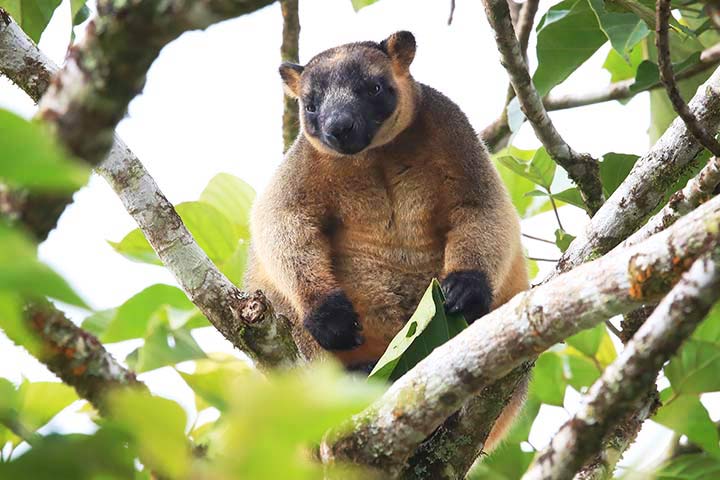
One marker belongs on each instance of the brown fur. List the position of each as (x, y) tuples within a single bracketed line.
[(423, 201)]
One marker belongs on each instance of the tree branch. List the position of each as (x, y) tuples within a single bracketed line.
[(386, 434), (248, 321), (495, 134), (581, 168), (662, 42), (645, 186), (698, 190), (289, 53), (76, 356), (622, 384)]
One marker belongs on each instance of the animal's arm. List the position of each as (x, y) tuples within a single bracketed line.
[(289, 242), (481, 244)]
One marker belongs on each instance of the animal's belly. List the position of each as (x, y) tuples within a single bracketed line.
[(385, 281)]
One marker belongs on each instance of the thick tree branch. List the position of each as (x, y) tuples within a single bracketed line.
[(623, 383), (76, 356), (453, 448), (581, 168), (248, 321), (495, 134), (667, 76), (698, 190), (386, 434), (289, 53), (645, 186)]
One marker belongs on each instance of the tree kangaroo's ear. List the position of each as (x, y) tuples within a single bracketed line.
[(290, 73), (400, 47)]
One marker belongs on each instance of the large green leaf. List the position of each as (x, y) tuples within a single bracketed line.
[(32, 159), (215, 234), (614, 168), (540, 169), (215, 378), (21, 272), (105, 455), (132, 318), (697, 466), (694, 369), (232, 197), (623, 29), (12, 322), (518, 185), (429, 327), (164, 346), (623, 68), (548, 383), (32, 15), (157, 426), (567, 35), (687, 416)]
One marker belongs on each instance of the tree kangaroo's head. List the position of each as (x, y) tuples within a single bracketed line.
[(355, 96)]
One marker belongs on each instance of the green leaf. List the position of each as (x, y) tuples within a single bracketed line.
[(614, 168), (215, 234), (164, 346), (157, 426), (102, 456), (429, 327), (709, 329), (234, 267), (216, 377), (21, 272), (358, 4), (548, 383), (540, 169), (588, 341), (41, 401), (79, 12), (583, 371), (232, 197), (687, 416), (570, 196), (697, 466), (13, 323), (132, 318), (32, 159), (563, 239), (32, 15), (623, 29), (567, 35), (649, 75), (621, 68), (518, 185), (694, 369)]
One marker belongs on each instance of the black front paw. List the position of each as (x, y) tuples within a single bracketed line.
[(334, 324), (467, 292)]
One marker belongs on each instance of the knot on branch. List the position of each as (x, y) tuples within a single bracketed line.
[(252, 308)]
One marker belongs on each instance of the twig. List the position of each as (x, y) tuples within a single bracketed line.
[(289, 52), (386, 434), (537, 259), (581, 168), (645, 186), (662, 42), (538, 239), (613, 329), (622, 384), (452, 12), (248, 321)]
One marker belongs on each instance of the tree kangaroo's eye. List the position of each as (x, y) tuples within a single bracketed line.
[(310, 108), (376, 89)]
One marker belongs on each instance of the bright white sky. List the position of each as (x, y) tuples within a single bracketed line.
[(213, 103)]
